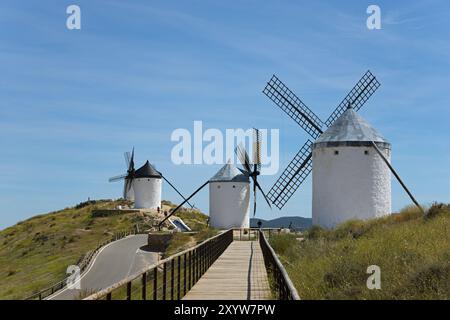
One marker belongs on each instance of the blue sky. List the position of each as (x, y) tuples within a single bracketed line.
[(71, 102)]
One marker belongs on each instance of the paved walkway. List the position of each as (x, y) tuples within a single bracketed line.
[(238, 274)]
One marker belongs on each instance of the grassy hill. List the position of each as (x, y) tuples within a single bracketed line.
[(412, 251), (35, 253)]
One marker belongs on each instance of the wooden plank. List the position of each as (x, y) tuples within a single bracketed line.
[(238, 274)]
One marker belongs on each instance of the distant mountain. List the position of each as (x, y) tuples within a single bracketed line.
[(298, 223)]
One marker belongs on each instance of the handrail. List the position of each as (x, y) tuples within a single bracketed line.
[(185, 268), (283, 284), (200, 257)]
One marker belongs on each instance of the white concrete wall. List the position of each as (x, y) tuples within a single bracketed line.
[(349, 185), (228, 206), (147, 193)]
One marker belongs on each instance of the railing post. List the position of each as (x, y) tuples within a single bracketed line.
[(164, 281), (190, 269), (195, 266), (155, 283), (202, 260), (205, 258), (109, 296), (172, 271), (179, 278), (194, 275), (199, 263), (184, 273), (210, 250), (202, 256), (129, 290), (144, 286)]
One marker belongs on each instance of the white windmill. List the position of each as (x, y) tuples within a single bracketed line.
[(229, 190), (229, 198), (147, 187), (350, 179), (350, 160), (144, 185)]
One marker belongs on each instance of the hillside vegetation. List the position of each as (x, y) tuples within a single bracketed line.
[(412, 251), (35, 253)]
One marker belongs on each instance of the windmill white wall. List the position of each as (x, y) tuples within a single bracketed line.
[(350, 179), (349, 185), (147, 193), (229, 198), (229, 204)]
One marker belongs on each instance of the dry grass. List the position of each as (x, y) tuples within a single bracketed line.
[(412, 251)]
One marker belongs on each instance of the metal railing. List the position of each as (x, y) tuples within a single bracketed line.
[(252, 234), (82, 264), (248, 234), (280, 282), (171, 278)]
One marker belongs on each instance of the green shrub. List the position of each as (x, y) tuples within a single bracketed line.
[(437, 209), (316, 232), (352, 228)]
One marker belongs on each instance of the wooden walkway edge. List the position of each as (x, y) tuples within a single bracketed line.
[(238, 274)]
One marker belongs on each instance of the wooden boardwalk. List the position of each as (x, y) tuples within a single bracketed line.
[(238, 274)]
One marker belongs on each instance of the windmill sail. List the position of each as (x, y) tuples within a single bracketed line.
[(117, 178), (301, 166), (256, 149), (292, 177), (284, 98), (127, 156), (357, 97), (253, 173), (128, 192)]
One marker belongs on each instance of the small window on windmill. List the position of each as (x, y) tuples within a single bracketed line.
[(366, 152), (218, 187), (234, 186), (336, 152)]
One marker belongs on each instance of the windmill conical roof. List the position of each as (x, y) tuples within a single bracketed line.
[(147, 171), (350, 129), (229, 173)]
